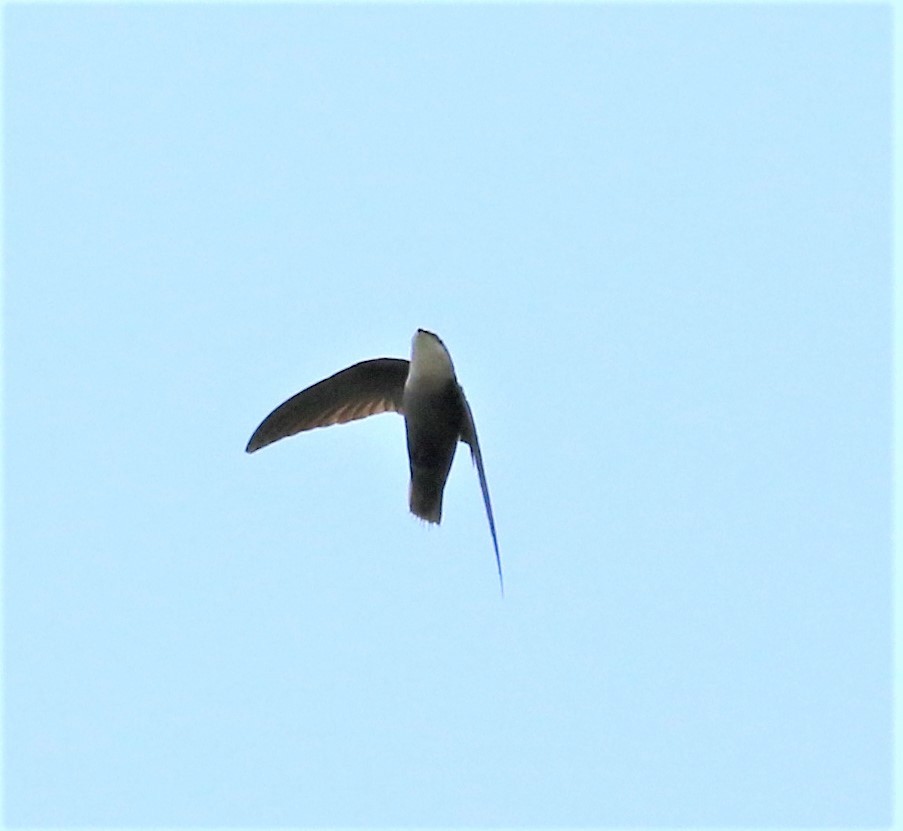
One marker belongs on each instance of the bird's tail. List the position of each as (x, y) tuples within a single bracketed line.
[(424, 498)]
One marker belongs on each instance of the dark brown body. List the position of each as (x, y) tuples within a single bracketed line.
[(434, 419)]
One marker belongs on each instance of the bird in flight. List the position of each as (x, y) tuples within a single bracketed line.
[(424, 390)]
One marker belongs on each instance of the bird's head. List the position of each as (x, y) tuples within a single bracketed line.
[(429, 357)]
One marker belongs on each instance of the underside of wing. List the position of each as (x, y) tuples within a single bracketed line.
[(362, 390), (469, 437)]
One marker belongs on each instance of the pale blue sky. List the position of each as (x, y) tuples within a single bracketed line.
[(656, 240)]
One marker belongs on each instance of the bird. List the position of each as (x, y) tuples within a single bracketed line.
[(425, 390)]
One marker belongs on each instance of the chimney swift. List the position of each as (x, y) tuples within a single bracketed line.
[(424, 390)]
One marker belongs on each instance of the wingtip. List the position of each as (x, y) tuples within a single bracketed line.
[(253, 444), (258, 440)]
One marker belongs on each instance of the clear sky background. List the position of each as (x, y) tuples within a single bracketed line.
[(657, 242)]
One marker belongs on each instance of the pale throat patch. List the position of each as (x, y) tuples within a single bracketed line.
[(429, 360)]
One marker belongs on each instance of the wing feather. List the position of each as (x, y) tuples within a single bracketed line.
[(469, 437), (362, 390)]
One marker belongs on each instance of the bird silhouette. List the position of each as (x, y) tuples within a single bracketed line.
[(425, 390)]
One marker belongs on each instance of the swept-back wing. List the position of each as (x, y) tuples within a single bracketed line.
[(469, 437), (362, 390)]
